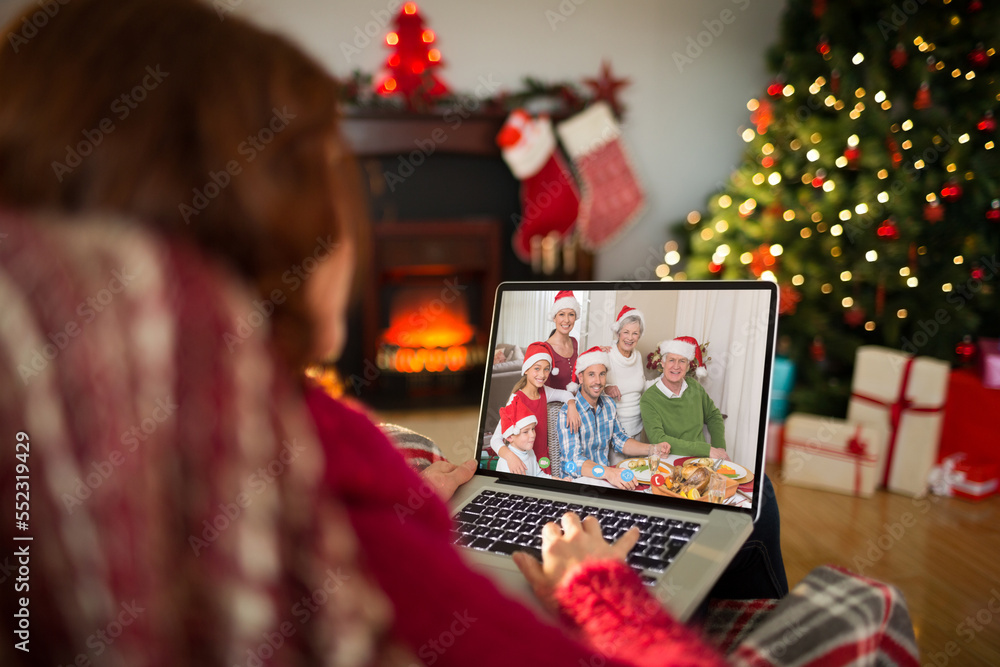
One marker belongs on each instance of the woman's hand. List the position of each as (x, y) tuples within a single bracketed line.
[(613, 392), (564, 550), (573, 417), (515, 464), (445, 477)]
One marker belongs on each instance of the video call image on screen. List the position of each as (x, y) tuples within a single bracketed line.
[(670, 382)]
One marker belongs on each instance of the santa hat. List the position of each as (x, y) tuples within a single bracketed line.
[(564, 299), (625, 313), (514, 416), (594, 355), (687, 347), (538, 352)]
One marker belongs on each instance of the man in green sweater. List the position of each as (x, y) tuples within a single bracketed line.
[(675, 410)]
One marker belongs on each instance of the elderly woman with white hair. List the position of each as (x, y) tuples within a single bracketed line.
[(626, 381)]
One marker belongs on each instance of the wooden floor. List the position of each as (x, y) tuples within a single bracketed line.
[(943, 553)]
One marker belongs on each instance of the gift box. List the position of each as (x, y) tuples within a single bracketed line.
[(970, 418), (989, 362), (905, 395), (832, 454), (962, 476)]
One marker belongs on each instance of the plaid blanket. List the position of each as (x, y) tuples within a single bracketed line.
[(833, 617)]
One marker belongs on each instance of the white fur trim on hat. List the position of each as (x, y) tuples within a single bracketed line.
[(524, 422), (674, 346), (527, 157), (533, 359), (586, 360), (616, 326), (565, 302)]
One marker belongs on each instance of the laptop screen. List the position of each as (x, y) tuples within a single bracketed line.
[(637, 388)]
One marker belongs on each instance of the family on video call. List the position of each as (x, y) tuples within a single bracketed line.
[(623, 413)]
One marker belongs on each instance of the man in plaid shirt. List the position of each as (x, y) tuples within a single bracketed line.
[(585, 452)]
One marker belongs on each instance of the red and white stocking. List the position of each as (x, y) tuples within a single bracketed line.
[(612, 196), (549, 197)]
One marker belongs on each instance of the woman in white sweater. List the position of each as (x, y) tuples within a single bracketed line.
[(626, 381)]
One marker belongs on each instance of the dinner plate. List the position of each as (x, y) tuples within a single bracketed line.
[(642, 476), (739, 472)]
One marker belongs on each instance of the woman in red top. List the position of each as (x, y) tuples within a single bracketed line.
[(217, 92), (531, 387), (564, 312)]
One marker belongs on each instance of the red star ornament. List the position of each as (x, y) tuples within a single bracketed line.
[(606, 87)]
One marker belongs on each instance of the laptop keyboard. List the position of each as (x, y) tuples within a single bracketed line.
[(503, 523)]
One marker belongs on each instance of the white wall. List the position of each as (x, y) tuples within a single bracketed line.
[(682, 122)]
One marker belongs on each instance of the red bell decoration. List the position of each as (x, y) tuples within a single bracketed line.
[(923, 98), (988, 123), (933, 212), (966, 351), (993, 214), (979, 57), (888, 230), (898, 57), (952, 191)]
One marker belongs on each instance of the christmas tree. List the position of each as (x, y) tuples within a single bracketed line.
[(410, 68), (870, 189)]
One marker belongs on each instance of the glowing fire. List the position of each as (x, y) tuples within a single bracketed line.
[(430, 330)]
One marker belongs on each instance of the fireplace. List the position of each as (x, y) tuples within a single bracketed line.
[(443, 206)]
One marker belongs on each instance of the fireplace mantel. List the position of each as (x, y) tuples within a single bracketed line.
[(374, 134)]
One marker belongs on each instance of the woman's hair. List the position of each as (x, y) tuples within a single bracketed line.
[(188, 120), (630, 320)]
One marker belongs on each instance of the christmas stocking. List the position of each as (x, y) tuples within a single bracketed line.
[(549, 198), (612, 197)]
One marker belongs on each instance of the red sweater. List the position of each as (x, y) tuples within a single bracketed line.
[(448, 614)]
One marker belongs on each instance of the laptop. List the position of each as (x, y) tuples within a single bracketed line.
[(685, 543)]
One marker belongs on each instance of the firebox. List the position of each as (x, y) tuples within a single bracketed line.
[(429, 309)]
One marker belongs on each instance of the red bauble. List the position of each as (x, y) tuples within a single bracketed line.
[(714, 268), (762, 116), (923, 98), (895, 155), (853, 154), (975, 6), (823, 47), (966, 351), (988, 123), (898, 57), (767, 162), (854, 316), (979, 57), (774, 90), (977, 273), (888, 230), (952, 191), (933, 212), (762, 260), (790, 298), (993, 215)]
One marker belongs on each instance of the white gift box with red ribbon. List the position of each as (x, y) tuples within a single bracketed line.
[(832, 454), (905, 395)]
